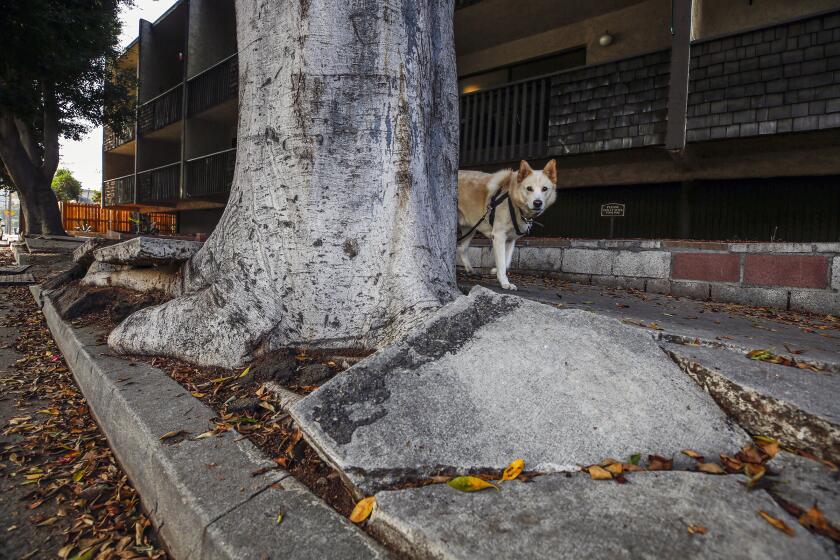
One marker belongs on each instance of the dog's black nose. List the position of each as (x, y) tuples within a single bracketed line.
[(537, 203)]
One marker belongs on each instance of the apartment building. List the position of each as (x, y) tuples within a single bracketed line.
[(703, 119), (180, 155)]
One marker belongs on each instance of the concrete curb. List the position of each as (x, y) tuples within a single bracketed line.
[(217, 497)]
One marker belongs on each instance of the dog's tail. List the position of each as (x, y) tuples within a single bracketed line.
[(499, 180)]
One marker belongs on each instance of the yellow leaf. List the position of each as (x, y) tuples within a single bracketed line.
[(513, 470), (470, 484), (198, 395), (244, 373), (363, 509), (599, 473), (710, 468), (50, 411), (279, 518), (777, 523)]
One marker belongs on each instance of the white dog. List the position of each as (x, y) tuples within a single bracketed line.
[(501, 206)]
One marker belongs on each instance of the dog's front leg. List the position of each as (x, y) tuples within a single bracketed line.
[(500, 253)]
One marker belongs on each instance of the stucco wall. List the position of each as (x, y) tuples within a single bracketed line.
[(637, 29), (719, 17)]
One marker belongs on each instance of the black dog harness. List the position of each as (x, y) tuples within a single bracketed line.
[(490, 214)]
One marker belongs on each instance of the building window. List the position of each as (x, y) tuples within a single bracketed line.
[(550, 64)]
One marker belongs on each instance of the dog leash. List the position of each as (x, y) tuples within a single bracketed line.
[(491, 211)]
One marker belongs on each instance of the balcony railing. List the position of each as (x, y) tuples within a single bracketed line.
[(161, 111), (113, 140), (464, 3), (161, 184), (213, 86), (118, 191), (211, 174), (505, 123)]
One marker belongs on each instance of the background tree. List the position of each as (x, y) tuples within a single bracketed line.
[(65, 186), (340, 227), (56, 59), (96, 197)]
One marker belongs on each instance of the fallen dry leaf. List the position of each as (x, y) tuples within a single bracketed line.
[(731, 464), (599, 473), (710, 468), (750, 454), (615, 468), (693, 454), (513, 470), (363, 509), (815, 520), (470, 484), (777, 523), (658, 463), (172, 434), (696, 529), (769, 445)]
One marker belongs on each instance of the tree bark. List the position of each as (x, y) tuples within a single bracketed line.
[(31, 173), (339, 230)]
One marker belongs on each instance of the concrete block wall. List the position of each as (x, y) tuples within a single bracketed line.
[(795, 276)]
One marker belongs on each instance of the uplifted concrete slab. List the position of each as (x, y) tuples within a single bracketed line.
[(54, 243), (144, 251), (798, 406), (574, 517), (803, 483), (492, 378)]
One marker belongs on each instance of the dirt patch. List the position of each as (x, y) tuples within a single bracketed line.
[(105, 307)]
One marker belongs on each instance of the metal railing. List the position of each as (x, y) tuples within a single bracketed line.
[(506, 123), (118, 191), (161, 184), (215, 85), (211, 174), (113, 140), (161, 111)]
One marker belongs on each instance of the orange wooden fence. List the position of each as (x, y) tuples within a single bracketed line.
[(77, 217)]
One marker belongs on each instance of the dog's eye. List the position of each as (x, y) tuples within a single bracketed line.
[(530, 189), (545, 189)]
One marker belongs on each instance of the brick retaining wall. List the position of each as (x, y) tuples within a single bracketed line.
[(796, 276)]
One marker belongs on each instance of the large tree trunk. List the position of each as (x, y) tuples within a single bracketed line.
[(31, 169), (339, 230)]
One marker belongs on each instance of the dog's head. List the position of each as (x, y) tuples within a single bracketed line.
[(534, 191)]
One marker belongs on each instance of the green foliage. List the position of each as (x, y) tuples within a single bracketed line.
[(66, 186), (96, 197), (65, 49)]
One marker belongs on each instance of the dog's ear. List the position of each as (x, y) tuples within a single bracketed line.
[(524, 171), (550, 171)]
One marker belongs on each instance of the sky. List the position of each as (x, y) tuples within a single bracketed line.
[(84, 158)]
